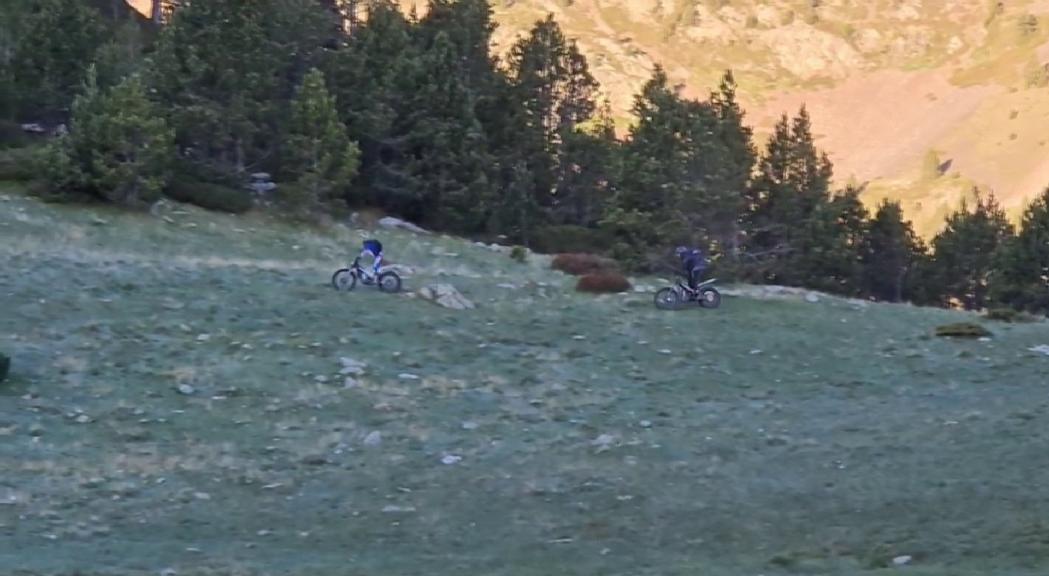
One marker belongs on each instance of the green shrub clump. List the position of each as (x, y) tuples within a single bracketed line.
[(962, 330), (210, 196)]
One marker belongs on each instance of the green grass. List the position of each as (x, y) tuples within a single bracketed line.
[(597, 435)]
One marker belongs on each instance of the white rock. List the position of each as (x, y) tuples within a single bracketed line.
[(202, 496), (391, 223), (604, 440), (391, 509), (902, 560), (646, 424), (407, 376), (374, 438), (321, 379), (470, 425), (1041, 349), (445, 295), (450, 459), (812, 298), (83, 419), (350, 383), (203, 337), (186, 390)]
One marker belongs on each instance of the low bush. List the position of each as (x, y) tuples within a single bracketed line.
[(962, 330), (20, 164), (579, 264), (217, 197), (603, 283), (519, 254)]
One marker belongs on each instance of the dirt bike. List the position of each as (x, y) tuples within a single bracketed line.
[(346, 279), (674, 297)]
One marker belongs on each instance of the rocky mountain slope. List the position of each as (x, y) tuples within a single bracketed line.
[(888, 82)]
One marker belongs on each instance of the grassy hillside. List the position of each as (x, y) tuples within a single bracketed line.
[(542, 433)]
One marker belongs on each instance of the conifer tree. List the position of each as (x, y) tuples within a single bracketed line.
[(320, 157), (892, 252), (1021, 270), (118, 147), (964, 253)]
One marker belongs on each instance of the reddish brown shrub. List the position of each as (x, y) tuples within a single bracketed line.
[(603, 283), (582, 264)]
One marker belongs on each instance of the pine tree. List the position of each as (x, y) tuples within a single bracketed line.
[(1021, 275), (792, 182), (58, 39), (118, 147), (737, 165), (684, 167), (893, 250), (516, 214), (226, 69), (831, 245), (590, 157), (372, 77), (320, 157), (439, 162), (964, 253), (552, 81)]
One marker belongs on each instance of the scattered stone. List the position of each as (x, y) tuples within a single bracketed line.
[(186, 390), (203, 337), (1041, 349), (604, 441), (646, 424), (470, 425), (168, 572), (902, 560), (391, 223), (665, 351), (406, 376), (321, 379), (349, 382), (202, 496), (812, 298), (450, 459), (374, 438), (33, 128), (315, 460), (445, 295), (755, 352), (392, 509), (83, 419)]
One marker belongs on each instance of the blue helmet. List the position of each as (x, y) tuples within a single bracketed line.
[(681, 251)]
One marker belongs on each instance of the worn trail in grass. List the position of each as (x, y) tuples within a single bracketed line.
[(542, 433)]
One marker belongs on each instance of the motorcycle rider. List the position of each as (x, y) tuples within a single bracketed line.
[(373, 248), (693, 263)]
